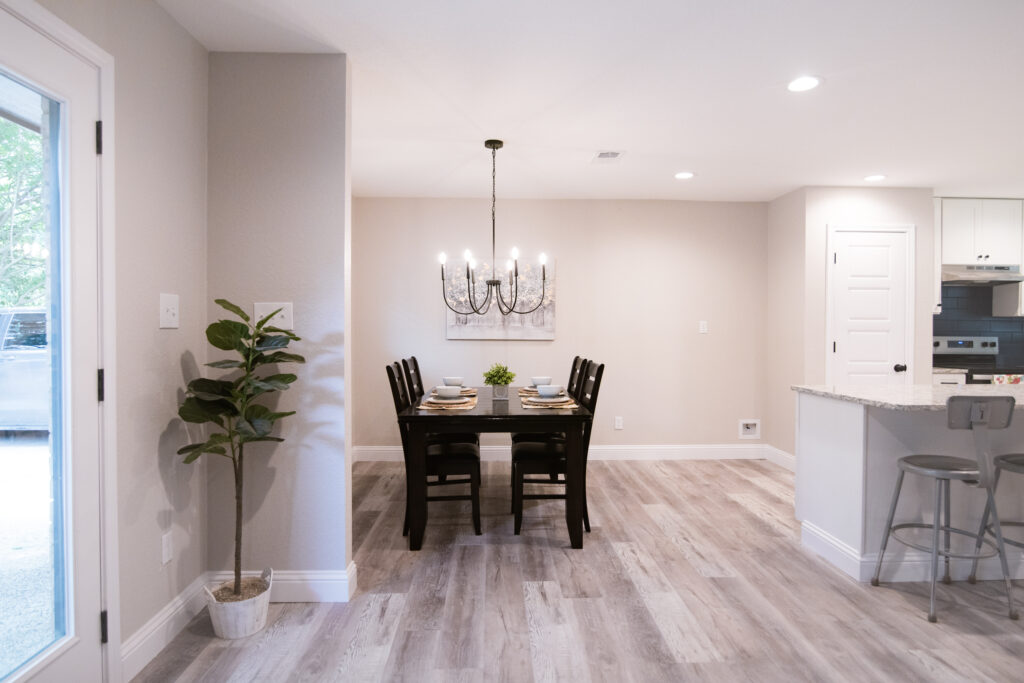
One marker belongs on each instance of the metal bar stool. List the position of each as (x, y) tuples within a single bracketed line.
[(979, 414), (1013, 462)]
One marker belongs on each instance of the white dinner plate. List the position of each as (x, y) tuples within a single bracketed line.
[(549, 401), (454, 401)]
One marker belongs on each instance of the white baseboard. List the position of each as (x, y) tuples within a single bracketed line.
[(146, 643), (738, 451), (901, 564), (289, 586)]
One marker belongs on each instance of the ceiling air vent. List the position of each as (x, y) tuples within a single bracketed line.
[(605, 157)]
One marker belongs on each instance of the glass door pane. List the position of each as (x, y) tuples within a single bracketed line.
[(33, 584)]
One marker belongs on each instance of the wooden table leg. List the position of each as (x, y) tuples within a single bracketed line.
[(574, 483), (416, 482)]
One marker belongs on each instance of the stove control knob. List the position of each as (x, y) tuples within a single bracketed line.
[(935, 344)]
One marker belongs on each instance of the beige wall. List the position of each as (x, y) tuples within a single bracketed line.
[(868, 206), (784, 319), (278, 160), (633, 280), (160, 86)]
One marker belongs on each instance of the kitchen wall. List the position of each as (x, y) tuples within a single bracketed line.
[(633, 280), (967, 311), (160, 136), (279, 159)]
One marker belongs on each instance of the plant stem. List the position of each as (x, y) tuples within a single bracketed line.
[(238, 521)]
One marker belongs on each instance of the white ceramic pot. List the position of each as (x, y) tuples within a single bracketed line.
[(500, 392), (243, 618)]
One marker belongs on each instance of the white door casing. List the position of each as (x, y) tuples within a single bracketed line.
[(870, 305), (50, 57)]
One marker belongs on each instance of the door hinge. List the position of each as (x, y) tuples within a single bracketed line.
[(103, 627), (99, 137), (834, 257), (99, 385), (833, 347)]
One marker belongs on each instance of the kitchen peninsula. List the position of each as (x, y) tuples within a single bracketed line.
[(847, 443)]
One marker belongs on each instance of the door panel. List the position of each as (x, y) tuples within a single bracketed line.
[(868, 290)]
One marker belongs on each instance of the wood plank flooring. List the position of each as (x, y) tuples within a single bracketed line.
[(693, 571)]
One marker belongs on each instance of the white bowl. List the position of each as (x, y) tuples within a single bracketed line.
[(452, 381), (539, 381), (549, 390), (448, 392)]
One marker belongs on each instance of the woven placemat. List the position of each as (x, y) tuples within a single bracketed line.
[(427, 405), (572, 405), (466, 391)]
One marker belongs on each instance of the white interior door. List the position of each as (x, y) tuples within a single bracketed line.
[(870, 305), (50, 522)]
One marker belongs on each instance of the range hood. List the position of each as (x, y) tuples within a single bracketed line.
[(980, 274)]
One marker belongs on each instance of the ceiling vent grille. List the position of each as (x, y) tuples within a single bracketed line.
[(606, 156)]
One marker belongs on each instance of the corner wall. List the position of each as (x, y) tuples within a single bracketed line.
[(278, 158)]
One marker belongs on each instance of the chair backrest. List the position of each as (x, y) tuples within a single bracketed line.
[(413, 380), (575, 375), (981, 414), (591, 385), (398, 390)]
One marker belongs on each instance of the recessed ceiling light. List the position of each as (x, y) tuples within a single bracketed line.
[(685, 175), (874, 178), (804, 83)]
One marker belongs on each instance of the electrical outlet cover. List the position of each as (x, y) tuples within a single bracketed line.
[(282, 319)]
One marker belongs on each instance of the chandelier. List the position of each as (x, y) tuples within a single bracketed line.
[(481, 303)]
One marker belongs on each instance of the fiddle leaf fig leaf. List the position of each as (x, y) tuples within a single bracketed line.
[(288, 333), (279, 357), (226, 335), (225, 364), (267, 343), (265, 319), (199, 411), (224, 303), (210, 389)]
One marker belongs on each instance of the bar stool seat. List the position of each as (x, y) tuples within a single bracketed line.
[(940, 466)]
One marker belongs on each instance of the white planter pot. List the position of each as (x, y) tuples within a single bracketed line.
[(243, 618)]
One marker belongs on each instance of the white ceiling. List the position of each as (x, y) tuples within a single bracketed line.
[(928, 92)]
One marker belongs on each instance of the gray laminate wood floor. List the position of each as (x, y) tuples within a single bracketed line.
[(693, 571)]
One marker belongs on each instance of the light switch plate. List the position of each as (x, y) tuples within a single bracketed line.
[(702, 327), (282, 319), (167, 547), (168, 311)]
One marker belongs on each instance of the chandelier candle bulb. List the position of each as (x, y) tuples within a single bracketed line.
[(515, 253)]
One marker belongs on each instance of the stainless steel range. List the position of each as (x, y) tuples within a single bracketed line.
[(976, 355)]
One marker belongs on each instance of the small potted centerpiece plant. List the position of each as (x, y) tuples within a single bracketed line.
[(231, 407), (498, 378)]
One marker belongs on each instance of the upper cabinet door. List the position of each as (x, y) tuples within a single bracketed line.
[(998, 235), (959, 220)]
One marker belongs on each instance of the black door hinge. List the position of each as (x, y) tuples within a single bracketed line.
[(99, 137), (834, 257), (103, 627), (833, 347), (99, 384)]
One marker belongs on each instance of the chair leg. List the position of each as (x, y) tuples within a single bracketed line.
[(517, 501), (936, 525), (1002, 554), (405, 524), (981, 531), (946, 528), (586, 516), (474, 490), (888, 526), (512, 486)]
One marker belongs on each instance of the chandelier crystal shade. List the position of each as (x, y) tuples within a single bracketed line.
[(480, 303)]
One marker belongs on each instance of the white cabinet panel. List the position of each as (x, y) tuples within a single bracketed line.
[(959, 219), (982, 231)]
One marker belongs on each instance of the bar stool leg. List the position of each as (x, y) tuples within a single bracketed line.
[(888, 526), (936, 524), (982, 530), (1002, 554), (946, 528)]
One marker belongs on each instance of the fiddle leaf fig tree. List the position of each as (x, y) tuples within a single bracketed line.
[(231, 406)]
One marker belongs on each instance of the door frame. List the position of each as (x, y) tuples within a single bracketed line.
[(48, 24), (831, 231)]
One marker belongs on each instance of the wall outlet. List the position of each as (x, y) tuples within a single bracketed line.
[(750, 429), (168, 547), (283, 319), (168, 311), (702, 327), (618, 422)]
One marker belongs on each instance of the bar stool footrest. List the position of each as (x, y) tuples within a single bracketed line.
[(944, 529), (1008, 541)]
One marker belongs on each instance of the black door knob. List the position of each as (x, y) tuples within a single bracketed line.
[(899, 367)]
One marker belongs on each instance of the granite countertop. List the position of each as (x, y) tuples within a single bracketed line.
[(913, 397), (949, 371)]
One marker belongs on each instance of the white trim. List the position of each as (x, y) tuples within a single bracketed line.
[(303, 585), (911, 281), (901, 564), (157, 633), (47, 23), (730, 451)]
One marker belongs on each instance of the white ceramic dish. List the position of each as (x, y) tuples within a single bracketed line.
[(448, 391), (538, 381), (548, 401), (549, 390), (457, 400), (452, 381)]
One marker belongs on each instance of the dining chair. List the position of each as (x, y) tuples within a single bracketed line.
[(549, 457), (443, 459), (572, 388), (414, 383)]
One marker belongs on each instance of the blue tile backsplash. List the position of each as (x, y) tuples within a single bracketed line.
[(967, 311)]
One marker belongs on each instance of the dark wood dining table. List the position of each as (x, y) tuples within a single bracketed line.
[(490, 415)]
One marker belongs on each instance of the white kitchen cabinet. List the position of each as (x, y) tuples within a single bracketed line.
[(982, 231)]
